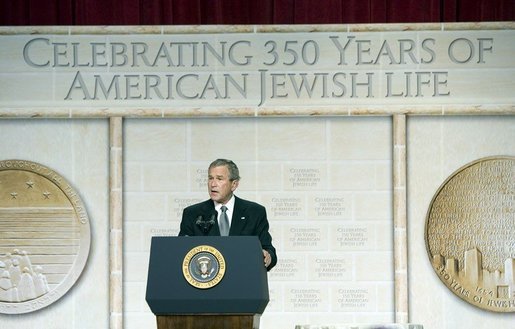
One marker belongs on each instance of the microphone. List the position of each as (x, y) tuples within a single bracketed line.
[(205, 225)]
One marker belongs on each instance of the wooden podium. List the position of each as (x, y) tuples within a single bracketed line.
[(231, 292), (208, 321)]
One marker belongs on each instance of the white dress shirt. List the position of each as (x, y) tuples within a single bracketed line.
[(229, 211)]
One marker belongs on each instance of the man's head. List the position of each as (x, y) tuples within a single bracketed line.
[(223, 179)]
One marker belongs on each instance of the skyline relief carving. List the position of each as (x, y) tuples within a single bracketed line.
[(469, 233)]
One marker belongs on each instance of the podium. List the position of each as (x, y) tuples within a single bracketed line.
[(208, 282)]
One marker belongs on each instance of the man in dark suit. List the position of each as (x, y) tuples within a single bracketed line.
[(226, 214)]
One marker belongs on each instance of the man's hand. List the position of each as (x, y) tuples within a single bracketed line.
[(267, 258)]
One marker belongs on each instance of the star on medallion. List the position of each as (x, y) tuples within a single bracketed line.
[(14, 195), (30, 184), (47, 195)]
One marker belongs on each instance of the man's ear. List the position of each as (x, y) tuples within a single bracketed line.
[(234, 185)]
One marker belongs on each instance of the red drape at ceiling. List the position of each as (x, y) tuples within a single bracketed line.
[(193, 12)]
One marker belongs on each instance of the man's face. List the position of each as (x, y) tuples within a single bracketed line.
[(219, 186)]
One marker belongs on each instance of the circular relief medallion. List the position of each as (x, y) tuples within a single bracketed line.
[(203, 267), (44, 236), (470, 233)]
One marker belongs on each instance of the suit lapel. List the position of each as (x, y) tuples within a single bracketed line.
[(238, 217), (208, 208)]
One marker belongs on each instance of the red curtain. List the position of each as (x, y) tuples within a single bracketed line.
[(193, 12)]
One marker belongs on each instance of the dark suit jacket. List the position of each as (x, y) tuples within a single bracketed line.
[(248, 218)]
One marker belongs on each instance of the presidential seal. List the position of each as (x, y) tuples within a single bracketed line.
[(470, 230), (44, 236), (203, 267)]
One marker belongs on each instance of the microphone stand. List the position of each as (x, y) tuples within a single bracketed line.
[(205, 225)]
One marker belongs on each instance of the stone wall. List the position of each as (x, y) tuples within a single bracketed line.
[(346, 182)]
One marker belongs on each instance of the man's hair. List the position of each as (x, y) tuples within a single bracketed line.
[(234, 173)]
